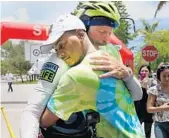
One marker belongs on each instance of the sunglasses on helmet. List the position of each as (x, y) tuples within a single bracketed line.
[(163, 67)]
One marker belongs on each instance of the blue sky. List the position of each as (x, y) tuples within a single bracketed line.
[(36, 12), (44, 12)]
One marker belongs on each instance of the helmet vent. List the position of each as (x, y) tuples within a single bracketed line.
[(95, 6), (112, 8), (90, 8), (104, 8)]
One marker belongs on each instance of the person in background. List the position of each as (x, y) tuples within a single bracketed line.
[(143, 115), (9, 78), (158, 102)]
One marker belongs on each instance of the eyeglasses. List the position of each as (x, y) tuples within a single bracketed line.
[(101, 32), (163, 67)]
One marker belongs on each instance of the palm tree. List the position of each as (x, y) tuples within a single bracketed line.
[(148, 29), (159, 7), (146, 32)]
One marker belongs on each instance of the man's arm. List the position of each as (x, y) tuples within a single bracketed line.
[(29, 127), (48, 118), (116, 69), (134, 87), (63, 102)]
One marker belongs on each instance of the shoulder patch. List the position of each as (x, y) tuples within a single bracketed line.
[(48, 71)]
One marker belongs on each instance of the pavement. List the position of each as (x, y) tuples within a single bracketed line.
[(14, 104)]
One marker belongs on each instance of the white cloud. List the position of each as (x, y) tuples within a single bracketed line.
[(49, 19), (9, 18), (145, 9), (21, 15)]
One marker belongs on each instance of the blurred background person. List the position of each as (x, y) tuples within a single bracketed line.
[(143, 115), (158, 102), (9, 78)]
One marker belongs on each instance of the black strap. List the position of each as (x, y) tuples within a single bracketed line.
[(75, 127), (76, 121)]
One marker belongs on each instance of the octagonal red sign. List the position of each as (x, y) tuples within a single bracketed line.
[(149, 53)]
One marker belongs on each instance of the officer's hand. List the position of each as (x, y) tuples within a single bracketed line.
[(108, 63)]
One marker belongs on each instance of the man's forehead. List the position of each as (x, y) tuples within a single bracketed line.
[(65, 36), (60, 39), (102, 27)]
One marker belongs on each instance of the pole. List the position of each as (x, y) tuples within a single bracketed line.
[(150, 64), (11, 132), (150, 76)]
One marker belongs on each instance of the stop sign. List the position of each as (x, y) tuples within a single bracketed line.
[(149, 53)]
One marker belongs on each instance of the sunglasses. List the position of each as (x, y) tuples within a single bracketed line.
[(163, 67)]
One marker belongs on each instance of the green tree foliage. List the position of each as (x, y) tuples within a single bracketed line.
[(147, 28), (15, 60), (160, 39), (4, 67), (123, 30)]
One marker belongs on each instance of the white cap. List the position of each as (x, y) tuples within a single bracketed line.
[(63, 23)]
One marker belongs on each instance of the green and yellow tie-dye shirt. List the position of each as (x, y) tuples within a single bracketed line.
[(80, 89)]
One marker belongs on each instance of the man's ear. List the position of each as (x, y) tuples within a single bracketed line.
[(80, 34)]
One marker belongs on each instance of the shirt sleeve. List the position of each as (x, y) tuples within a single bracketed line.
[(65, 99), (131, 82), (153, 90), (29, 124), (134, 87)]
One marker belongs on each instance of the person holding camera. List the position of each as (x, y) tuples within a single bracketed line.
[(143, 115)]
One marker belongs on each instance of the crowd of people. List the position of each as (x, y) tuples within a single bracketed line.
[(158, 101), (85, 74), (146, 107)]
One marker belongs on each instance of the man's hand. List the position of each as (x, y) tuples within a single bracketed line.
[(106, 62), (48, 119)]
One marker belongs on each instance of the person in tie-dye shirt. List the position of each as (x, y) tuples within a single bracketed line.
[(100, 20), (80, 88)]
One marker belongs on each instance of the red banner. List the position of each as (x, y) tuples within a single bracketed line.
[(11, 30)]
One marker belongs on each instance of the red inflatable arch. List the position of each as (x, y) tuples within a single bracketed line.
[(11, 30), (126, 54)]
